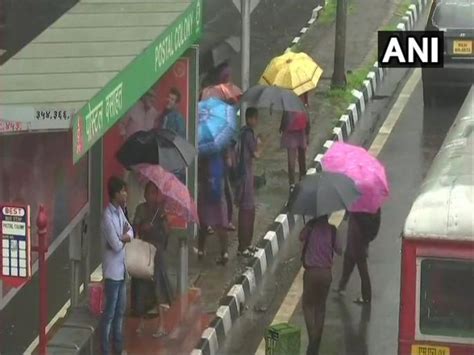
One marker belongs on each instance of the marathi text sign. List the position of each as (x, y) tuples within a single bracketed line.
[(122, 92), (16, 248)]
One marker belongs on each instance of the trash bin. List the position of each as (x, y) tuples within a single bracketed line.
[(282, 339)]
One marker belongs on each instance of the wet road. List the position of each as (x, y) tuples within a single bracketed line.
[(349, 329)]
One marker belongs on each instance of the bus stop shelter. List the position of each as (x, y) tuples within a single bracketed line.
[(82, 75)]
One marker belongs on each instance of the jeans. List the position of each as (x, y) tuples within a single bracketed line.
[(112, 318)]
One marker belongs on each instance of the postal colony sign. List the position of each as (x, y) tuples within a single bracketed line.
[(122, 92)]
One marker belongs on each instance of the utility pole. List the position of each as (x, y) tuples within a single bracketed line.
[(339, 74), (245, 53)]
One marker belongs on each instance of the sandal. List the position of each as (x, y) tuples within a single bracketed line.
[(210, 230), (140, 329), (231, 227), (159, 334), (360, 300), (252, 249), (247, 253)]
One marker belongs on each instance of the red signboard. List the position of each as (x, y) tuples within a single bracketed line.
[(177, 78), (15, 231)]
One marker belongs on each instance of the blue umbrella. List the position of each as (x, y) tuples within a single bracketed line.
[(217, 125)]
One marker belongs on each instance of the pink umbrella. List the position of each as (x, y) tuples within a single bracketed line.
[(366, 171), (178, 201)]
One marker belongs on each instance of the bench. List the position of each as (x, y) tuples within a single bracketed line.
[(76, 335)]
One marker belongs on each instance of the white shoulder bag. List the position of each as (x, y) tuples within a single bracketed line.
[(139, 259)]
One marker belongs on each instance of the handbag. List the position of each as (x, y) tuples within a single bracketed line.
[(140, 259)]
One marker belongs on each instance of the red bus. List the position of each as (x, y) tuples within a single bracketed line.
[(437, 270)]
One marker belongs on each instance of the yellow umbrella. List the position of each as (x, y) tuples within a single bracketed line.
[(293, 71)]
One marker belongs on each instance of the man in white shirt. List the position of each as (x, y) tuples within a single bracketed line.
[(116, 232)]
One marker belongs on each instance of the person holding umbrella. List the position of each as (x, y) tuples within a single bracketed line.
[(164, 195), (295, 129), (319, 195), (299, 73), (212, 204), (216, 127), (364, 214), (151, 225), (319, 245)]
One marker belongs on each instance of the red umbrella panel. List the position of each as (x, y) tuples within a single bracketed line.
[(177, 199), (225, 92)]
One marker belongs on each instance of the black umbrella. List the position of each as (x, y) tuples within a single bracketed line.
[(162, 147), (273, 97), (321, 194)]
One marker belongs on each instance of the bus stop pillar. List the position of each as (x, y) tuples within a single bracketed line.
[(42, 249)]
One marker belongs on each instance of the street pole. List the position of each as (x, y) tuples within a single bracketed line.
[(245, 53), (339, 74), (41, 225)]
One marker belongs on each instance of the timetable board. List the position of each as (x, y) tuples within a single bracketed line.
[(16, 244)]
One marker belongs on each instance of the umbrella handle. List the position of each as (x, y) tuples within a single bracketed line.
[(153, 219)]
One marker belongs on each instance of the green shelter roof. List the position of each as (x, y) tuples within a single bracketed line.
[(71, 61)]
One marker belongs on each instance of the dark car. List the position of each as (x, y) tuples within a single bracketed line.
[(456, 19)]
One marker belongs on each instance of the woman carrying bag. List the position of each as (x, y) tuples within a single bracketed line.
[(151, 226)]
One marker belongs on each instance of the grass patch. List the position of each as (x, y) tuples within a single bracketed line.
[(296, 48), (328, 15), (399, 13), (341, 98)]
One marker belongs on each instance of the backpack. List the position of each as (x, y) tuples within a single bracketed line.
[(298, 121), (369, 225)]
